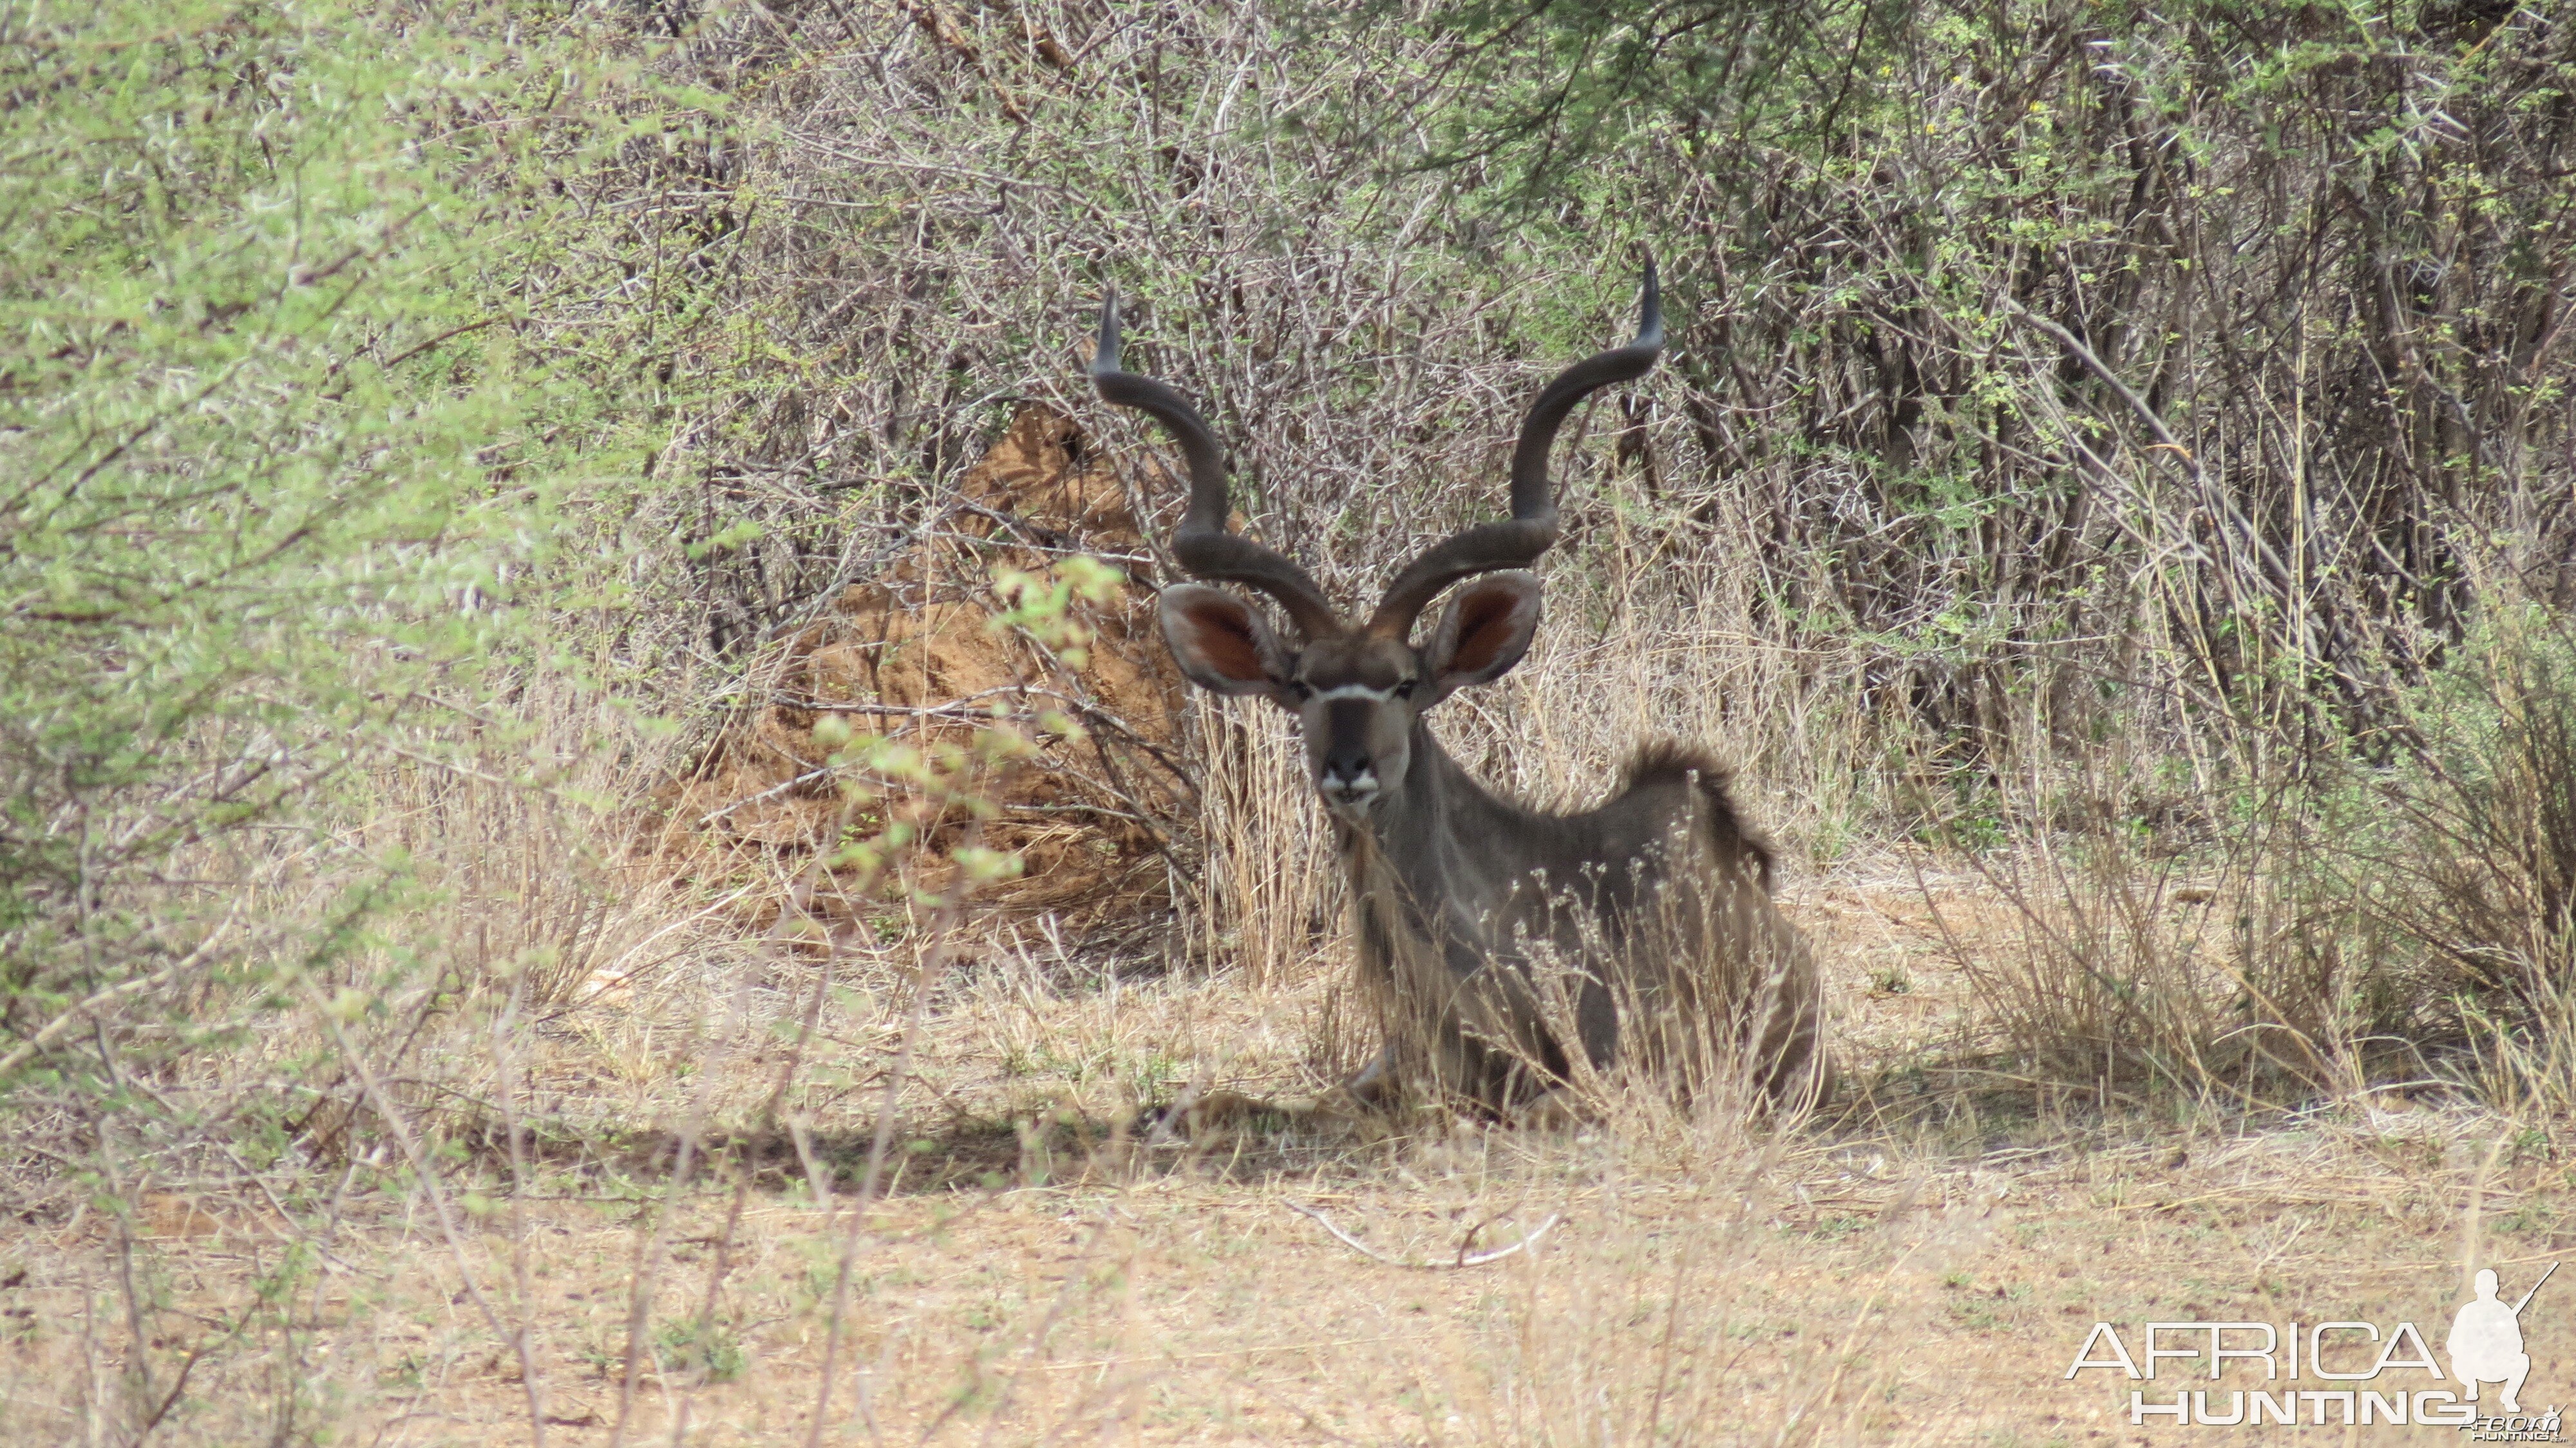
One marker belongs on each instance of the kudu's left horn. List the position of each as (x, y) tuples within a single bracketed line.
[(1518, 541)]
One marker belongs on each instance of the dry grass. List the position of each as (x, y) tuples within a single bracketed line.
[(1043, 1265)]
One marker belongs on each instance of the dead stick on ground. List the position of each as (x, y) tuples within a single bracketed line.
[(1463, 1260)]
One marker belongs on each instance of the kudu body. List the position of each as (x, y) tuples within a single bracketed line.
[(1510, 951)]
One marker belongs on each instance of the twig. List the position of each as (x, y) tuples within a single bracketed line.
[(648, 1250), (424, 1173), (932, 967), (773, 791), (1464, 1259), (54, 1028)]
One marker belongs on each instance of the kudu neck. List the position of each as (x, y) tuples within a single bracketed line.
[(1438, 801)]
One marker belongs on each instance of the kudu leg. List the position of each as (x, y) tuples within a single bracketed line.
[(1375, 1086)]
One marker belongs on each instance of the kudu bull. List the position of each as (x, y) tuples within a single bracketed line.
[(1498, 941)]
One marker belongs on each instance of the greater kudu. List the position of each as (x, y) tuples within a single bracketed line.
[(1491, 934)]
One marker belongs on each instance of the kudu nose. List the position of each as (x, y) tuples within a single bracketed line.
[(1344, 763), (1349, 777)]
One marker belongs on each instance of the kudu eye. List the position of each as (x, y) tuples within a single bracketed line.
[(1405, 689)]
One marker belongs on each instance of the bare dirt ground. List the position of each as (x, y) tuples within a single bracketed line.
[(1921, 1268)]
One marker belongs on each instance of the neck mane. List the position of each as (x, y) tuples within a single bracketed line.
[(1443, 835)]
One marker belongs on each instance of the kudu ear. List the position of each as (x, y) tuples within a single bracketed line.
[(1221, 643), (1483, 632)]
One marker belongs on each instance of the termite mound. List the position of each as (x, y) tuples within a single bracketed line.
[(915, 655)]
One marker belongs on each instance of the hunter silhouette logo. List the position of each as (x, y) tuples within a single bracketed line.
[(2346, 1373), (2486, 1340)]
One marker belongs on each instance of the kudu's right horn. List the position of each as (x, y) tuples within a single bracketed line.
[(1202, 545)]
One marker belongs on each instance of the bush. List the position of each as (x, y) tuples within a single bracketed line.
[(2460, 857), (286, 442)]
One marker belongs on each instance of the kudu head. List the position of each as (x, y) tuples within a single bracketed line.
[(1357, 688)]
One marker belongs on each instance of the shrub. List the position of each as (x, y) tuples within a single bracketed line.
[(285, 439)]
